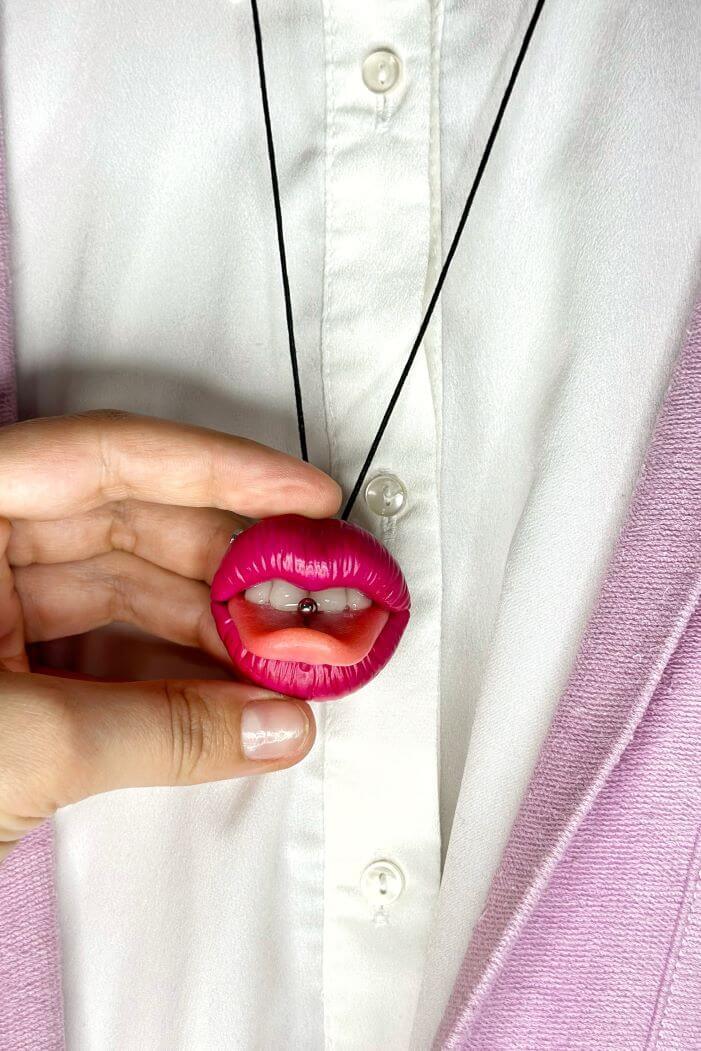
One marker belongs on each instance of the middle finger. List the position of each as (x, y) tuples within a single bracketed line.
[(190, 541)]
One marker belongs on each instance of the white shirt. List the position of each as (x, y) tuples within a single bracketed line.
[(146, 277)]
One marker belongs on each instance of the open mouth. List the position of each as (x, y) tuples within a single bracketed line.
[(310, 608)]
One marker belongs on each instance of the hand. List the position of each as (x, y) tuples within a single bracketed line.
[(109, 517)]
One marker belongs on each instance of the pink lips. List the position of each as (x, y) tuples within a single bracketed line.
[(313, 555)]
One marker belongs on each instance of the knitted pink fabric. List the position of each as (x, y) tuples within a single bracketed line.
[(591, 935), (611, 956), (8, 394), (31, 1007)]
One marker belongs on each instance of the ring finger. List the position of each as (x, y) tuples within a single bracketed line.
[(75, 597)]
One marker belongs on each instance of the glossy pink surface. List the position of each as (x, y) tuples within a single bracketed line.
[(314, 555)]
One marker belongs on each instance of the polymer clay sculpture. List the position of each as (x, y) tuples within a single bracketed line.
[(313, 609)]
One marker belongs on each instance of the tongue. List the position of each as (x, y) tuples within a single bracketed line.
[(341, 639)]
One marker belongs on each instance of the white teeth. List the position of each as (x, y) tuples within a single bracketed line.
[(260, 593), (280, 594), (357, 600), (286, 596), (331, 600)]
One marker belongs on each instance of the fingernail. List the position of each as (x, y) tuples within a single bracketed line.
[(273, 729)]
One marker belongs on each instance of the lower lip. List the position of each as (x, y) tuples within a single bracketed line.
[(314, 554)]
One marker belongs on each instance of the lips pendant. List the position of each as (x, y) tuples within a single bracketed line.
[(313, 609)]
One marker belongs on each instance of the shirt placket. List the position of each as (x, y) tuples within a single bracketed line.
[(380, 794)]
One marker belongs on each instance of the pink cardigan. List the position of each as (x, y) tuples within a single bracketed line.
[(591, 935)]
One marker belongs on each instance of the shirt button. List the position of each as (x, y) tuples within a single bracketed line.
[(382, 882), (385, 495), (381, 71)]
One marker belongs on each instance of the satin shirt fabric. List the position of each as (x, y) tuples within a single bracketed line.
[(134, 140)]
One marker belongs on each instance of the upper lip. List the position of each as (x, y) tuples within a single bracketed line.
[(332, 554)]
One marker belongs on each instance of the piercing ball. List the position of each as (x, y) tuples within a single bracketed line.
[(307, 605)]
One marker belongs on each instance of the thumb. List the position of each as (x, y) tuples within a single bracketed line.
[(64, 739)]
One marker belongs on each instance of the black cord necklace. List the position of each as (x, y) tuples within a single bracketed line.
[(444, 269), (345, 603)]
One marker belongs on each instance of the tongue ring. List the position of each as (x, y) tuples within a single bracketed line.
[(307, 605)]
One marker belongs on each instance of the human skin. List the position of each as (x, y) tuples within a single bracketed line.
[(108, 517)]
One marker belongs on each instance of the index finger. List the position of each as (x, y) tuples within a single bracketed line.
[(64, 465)]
